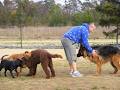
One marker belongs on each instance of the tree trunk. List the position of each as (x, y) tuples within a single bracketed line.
[(21, 36), (20, 22), (117, 35)]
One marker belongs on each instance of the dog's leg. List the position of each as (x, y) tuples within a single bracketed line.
[(12, 74), (17, 73), (5, 72), (51, 68), (20, 69), (98, 72), (115, 68), (1, 67), (32, 70), (45, 68)]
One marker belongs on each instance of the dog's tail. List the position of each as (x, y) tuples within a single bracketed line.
[(2, 58), (56, 56)]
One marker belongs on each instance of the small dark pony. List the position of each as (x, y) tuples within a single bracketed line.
[(105, 54)]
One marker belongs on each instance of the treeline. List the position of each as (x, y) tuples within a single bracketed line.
[(47, 13)]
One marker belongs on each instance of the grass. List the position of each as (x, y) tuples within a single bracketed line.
[(56, 42), (62, 81)]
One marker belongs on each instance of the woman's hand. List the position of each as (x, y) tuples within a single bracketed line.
[(94, 53)]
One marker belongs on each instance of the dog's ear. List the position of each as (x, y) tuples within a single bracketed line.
[(19, 59), (82, 52), (27, 53), (79, 53)]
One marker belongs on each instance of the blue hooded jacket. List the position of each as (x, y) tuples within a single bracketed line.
[(79, 34)]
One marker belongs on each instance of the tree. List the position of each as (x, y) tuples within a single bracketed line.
[(109, 35), (56, 17), (2, 14), (85, 16), (110, 11)]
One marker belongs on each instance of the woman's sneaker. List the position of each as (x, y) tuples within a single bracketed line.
[(76, 74)]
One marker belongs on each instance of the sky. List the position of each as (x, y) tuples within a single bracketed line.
[(57, 1)]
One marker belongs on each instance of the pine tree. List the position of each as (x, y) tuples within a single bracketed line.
[(110, 11)]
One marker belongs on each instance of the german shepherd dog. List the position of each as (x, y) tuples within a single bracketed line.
[(106, 54)]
